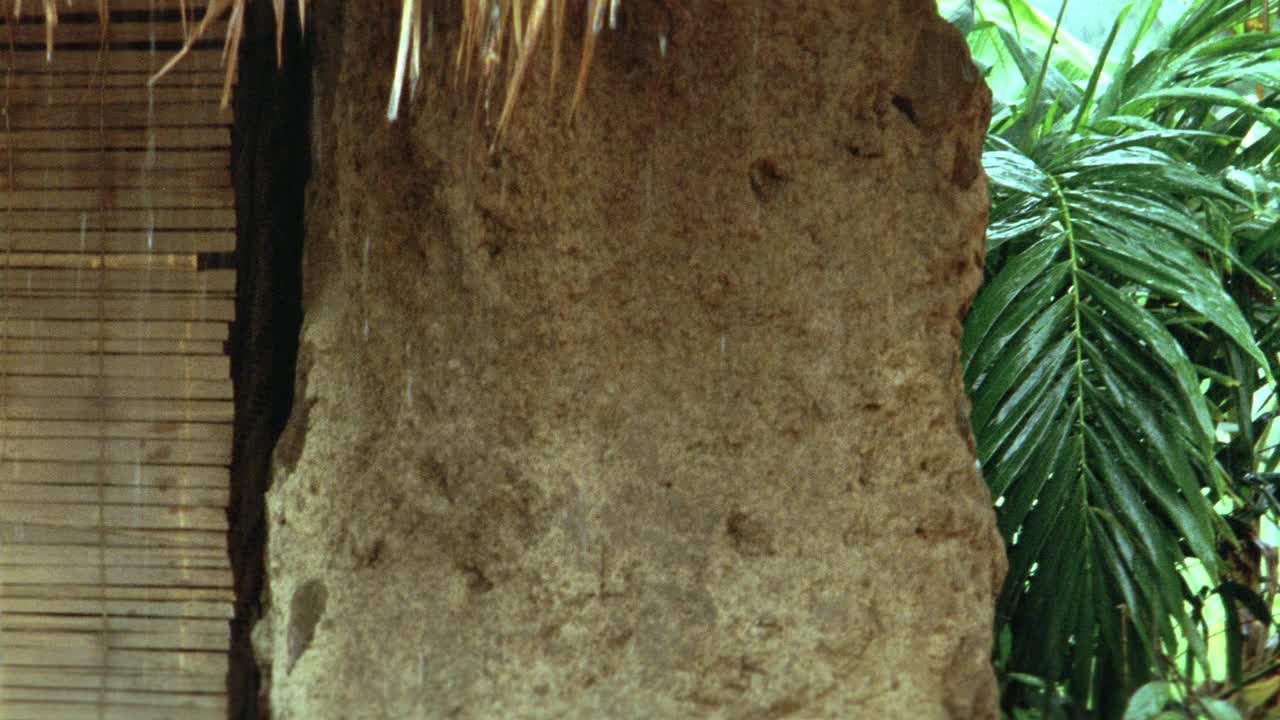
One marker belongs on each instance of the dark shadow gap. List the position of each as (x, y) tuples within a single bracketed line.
[(270, 165)]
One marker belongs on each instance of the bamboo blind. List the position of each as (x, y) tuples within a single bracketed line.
[(115, 397)]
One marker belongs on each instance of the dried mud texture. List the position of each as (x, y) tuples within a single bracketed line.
[(654, 414)]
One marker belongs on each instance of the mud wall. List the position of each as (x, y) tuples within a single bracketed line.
[(654, 413)]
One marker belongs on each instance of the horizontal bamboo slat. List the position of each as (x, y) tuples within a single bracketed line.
[(22, 282), (55, 710), (116, 409), (148, 166), (175, 702), (212, 432), (123, 115), (67, 74), (128, 474), (127, 330), (98, 592), (112, 347), (83, 261), (152, 452), (193, 661), (116, 495), (138, 281), (138, 366), (27, 533), (67, 92), (73, 678), (120, 557), (117, 295), (32, 32), (89, 514), (137, 576), (113, 61), (131, 242), (97, 637), (135, 308), (126, 175), (111, 387), (117, 139), (119, 199), (117, 219), (147, 608)]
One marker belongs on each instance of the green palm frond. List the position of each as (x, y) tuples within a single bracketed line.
[(1129, 314), (990, 26), (1116, 226), (1201, 72), (1089, 417)]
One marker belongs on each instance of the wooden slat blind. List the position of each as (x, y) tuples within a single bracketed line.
[(115, 397)]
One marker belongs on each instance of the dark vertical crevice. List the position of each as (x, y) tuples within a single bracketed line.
[(270, 166)]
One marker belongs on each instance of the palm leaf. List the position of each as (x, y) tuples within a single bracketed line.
[(1110, 97), (1091, 89), (1133, 219), (1091, 425)]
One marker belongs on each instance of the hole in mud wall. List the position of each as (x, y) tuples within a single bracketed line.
[(270, 165)]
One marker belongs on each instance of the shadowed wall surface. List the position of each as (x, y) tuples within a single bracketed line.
[(270, 160), (656, 413)]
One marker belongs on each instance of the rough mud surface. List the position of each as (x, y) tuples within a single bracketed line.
[(654, 414)]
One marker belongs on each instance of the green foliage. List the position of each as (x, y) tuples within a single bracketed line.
[(988, 26), (1115, 356), (1162, 700)]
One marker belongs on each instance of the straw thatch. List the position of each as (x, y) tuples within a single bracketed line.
[(496, 42)]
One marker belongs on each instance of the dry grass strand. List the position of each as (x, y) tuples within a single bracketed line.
[(591, 33), (495, 34), (525, 52), (408, 41)]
